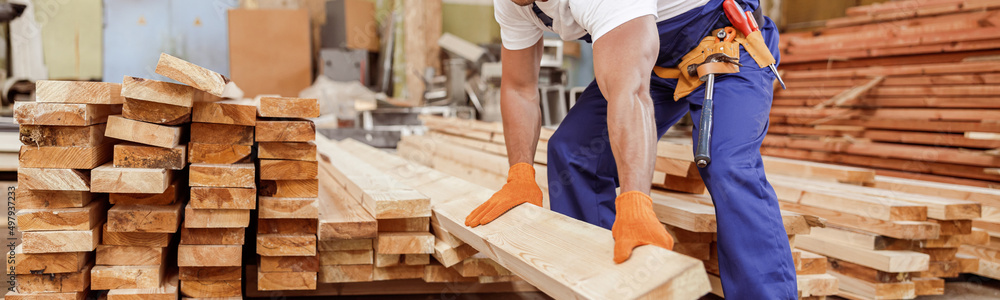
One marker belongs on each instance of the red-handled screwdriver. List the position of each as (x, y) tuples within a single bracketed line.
[(745, 23)]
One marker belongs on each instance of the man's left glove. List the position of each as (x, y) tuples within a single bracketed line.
[(520, 188), (637, 225)]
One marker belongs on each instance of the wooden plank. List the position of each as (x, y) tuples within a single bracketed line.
[(209, 255), (36, 199), (60, 114), (290, 226), (287, 150), (388, 260), (688, 216), (218, 153), (285, 131), (862, 239), (287, 107), (166, 291), (985, 196), (14, 295), (225, 112), (143, 239), (222, 134), (404, 225), (53, 179), (108, 255), (155, 112), (211, 289), (811, 263), (380, 194), (439, 273), (76, 281), (897, 229), (88, 92), (869, 290), (398, 272), (236, 176), (64, 157), (564, 272), (308, 188), (352, 244), (223, 198), (143, 133), (286, 245), (271, 169), (47, 263), (977, 237), (191, 74), (286, 281), (346, 257), (126, 277), (341, 216), (82, 218), (346, 273), (837, 199), (144, 218), (270, 264), (288, 208), (215, 218), (150, 157), (404, 243), (882, 260), (480, 265), (157, 91), (168, 197), (108, 179), (212, 236), (866, 273), (62, 136), (928, 286), (210, 273)]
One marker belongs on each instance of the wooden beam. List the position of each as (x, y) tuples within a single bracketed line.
[(14, 295), (449, 256), (285, 131), (382, 195), (87, 157), (404, 225), (288, 226), (155, 112), (272, 169), (910, 230), (340, 215), (109, 179), (143, 133), (76, 281), (286, 245), (82, 218), (211, 289), (288, 208), (287, 150), (397, 272), (215, 218), (352, 244), (209, 255), (285, 281), (108, 255), (221, 134), (564, 272), (866, 273), (38, 199), (287, 107), (126, 277), (346, 273), (218, 153), (984, 196), (47, 263), (236, 175), (53, 179), (882, 260), (143, 239), (150, 157), (223, 198), (166, 291), (191, 74), (404, 243), (870, 290), (836, 199), (346, 257), (62, 136), (229, 112), (212, 236), (210, 273), (862, 239), (168, 197), (307, 188), (271, 264), (144, 218), (157, 91), (62, 114), (87, 92)]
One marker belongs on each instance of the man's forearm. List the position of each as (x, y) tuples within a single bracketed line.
[(521, 124)]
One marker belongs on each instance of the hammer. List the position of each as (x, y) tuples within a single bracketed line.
[(718, 63)]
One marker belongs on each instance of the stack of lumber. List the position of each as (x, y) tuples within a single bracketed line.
[(986, 246), (906, 87), (563, 257), (60, 219), (289, 194)]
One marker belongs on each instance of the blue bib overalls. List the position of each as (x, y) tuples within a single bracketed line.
[(755, 259)]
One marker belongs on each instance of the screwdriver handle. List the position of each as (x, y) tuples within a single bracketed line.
[(736, 16)]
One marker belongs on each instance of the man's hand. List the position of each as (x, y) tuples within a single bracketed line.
[(637, 225), (520, 188)]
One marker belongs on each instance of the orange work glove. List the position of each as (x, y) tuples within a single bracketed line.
[(520, 188), (637, 225)]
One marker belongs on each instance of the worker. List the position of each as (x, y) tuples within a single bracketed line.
[(608, 139)]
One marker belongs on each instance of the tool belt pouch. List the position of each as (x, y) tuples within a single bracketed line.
[(686, 83)]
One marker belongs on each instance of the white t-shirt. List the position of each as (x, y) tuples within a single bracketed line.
[(572, 19)]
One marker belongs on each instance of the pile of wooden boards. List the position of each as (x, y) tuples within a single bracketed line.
[(60, 219), (907, 87), (886, 237), (288, 216)]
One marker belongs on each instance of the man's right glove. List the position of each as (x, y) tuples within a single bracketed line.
[(520, 188)]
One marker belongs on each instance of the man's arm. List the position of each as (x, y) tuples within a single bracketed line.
[(519, 102)]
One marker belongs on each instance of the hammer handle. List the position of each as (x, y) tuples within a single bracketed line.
[(702, 157)]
